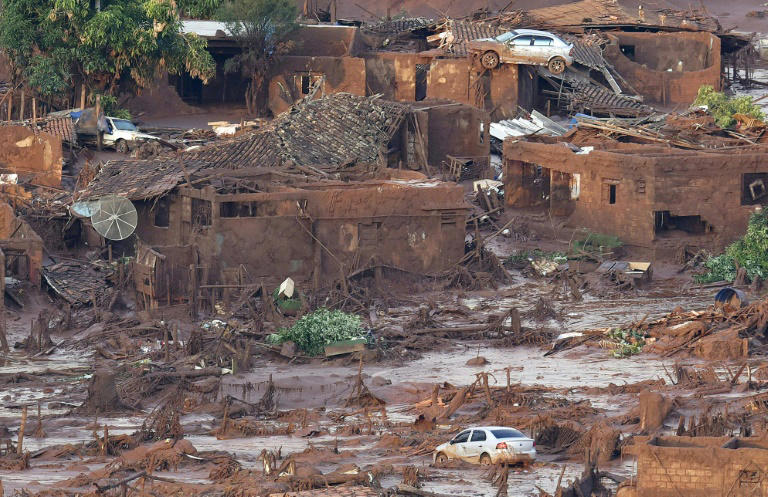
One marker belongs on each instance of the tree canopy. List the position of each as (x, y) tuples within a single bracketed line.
[(53, 44), (260, 28)]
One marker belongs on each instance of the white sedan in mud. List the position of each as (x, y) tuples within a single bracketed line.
[(488, 445)]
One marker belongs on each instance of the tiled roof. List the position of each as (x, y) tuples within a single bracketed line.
[(331, 130), (137, 179), (62, 127), (77, 283), (605, 13)]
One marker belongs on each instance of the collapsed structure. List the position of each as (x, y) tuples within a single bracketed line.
[(631, 56), (655, 197), (310, 196)]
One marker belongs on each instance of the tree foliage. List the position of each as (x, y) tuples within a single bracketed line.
[(749, 252), (260, 28), (53, 44), (722, 107)]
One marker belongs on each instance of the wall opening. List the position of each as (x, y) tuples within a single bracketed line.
[(609, 191), (305, 84), (422, 71), (754, 188), (664, 221), (628, 51), (201, 212), (162, 217)]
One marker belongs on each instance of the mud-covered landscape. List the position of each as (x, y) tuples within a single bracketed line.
[(266, 248)]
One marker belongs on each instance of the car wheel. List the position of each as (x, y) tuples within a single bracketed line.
[(556, 65), (490, 60), (122, 146), (485, 460), (441, 458)]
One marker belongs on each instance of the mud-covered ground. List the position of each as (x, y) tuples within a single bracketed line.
[(311, 409)]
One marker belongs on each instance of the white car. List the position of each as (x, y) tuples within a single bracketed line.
[(122, 134), (523, 46), (488, 445)]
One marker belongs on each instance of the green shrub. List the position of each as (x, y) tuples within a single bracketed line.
[(591, 242), (749, 252), (722, 108), (314, 331)]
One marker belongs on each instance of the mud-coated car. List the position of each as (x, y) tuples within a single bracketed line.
[(523, 46), (487, 445)]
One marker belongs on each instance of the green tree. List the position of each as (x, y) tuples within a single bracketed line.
[(260, 28), (54, 44)]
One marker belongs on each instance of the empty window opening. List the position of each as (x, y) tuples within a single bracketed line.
[(448, 220), (238, 209), (628, 51), (422, 71), (664, 221), (201, 212), (305, 84), (162, 218), (368, 234), (609, 191), (754, 188)]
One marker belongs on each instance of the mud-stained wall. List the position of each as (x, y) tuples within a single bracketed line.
[(666, 68), (394, 75), (18, 239), (457, 79), (701, 467), (627, 192), (451, 79), (296, 75), (456, 130), (38, 158), (415, 227), (324, 41)]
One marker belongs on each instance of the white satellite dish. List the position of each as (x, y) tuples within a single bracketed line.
[(115, 218), (83, 209)]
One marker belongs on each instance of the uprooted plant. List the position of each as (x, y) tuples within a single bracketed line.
[(312, 332)]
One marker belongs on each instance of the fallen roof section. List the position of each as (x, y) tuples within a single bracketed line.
[(333, 130), (77, 282)]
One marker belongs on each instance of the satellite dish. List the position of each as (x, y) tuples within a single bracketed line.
[(83, 209), (115, 218)]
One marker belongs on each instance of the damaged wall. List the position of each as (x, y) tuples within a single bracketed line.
[(35, 157), (454, 129), (417, 227), (700, 467), (23, 247), (666, 68), (649, 196), (297, 75)]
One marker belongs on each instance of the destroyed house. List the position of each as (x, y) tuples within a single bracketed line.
[(343, 129), (265, 224), (653, 197), (698, 467), (308, 196)]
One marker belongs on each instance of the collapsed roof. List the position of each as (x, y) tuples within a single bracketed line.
[(332, 131)]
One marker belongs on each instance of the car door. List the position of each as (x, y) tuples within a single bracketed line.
[(459, 444), (518, 49), (476, 445), (541, 49)]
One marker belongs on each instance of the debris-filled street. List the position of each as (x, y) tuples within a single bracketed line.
[(266, 248)]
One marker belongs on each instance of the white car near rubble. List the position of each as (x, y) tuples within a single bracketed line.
[(488, 445)]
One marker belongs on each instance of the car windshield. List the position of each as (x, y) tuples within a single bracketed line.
[(507, 433), (124, 125), (503, 38)]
